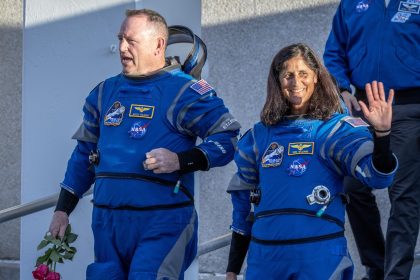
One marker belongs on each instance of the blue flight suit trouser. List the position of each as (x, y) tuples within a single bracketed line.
[(161, 244), (319, 260)]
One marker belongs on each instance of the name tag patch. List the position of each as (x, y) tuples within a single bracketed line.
[(301, 148), (407, 7), (141, 111)]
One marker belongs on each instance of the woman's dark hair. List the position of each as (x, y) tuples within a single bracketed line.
[(325, 99)]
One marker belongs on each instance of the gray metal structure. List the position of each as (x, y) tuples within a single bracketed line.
[(241, 36), (11, 19)]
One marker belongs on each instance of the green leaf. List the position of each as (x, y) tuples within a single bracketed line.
[(71, 237), (48, 236), (54, 256), (61, 251), (42, 259), (68, 230), (48, 252), (56, 242), (68, 256), (42, 244)]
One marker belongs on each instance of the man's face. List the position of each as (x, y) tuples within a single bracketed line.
[(138, 44)]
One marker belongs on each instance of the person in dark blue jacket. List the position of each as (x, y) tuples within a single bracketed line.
[(137, 143), (380, 40), (292, 164)]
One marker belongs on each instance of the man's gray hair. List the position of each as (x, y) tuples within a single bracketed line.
[(154, 17)]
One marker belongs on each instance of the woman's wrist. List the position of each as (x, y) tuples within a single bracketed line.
[(380, 132)]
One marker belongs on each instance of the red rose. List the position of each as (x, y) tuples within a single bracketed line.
[(40, 272), (53, 276)]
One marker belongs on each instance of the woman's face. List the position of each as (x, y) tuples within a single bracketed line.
[(297, 83)]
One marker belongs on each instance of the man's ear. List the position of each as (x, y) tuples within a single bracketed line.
[(160, 45)]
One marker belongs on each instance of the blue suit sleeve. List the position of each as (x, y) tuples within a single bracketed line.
[(207, 117), (245, 179), (335, 56), (78, 177), (348, 150), (241, 212)]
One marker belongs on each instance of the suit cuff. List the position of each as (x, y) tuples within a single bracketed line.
[(192, 160)]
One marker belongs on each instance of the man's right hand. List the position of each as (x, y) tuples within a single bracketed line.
[(350, 101), (231, 276), (59, 223)]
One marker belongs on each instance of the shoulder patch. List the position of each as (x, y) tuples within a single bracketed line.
[(355, 122), (201, 87)]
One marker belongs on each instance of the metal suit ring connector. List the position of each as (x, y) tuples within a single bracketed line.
[(94, 157), (320, 195)]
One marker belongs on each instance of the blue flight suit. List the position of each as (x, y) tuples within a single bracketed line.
[(145, 224), (371, 41), (294, 237)]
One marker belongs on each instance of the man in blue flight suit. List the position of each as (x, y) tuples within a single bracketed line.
[(138, 143), (380, 40)]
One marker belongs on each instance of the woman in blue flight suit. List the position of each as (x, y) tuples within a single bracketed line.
[(292, 164)]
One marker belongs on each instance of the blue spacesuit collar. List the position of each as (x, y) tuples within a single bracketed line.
[(170, 67), (295, 117)]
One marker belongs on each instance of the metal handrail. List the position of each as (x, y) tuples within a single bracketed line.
[(49, 201), (24, 209), (203, 248), (214, 244)]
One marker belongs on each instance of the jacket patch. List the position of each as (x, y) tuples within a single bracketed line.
[(201, 87), (355, 122), (362, 6), (273, 156), (400, 17), (301, 148), (141, 111), (114, 115), (407, 7), (138, 130), (297, 167)]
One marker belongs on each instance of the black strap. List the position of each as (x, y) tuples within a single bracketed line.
[(146, 178), (67, 201), (238, 247), (298, 240), (147, 208), (298, 211)]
